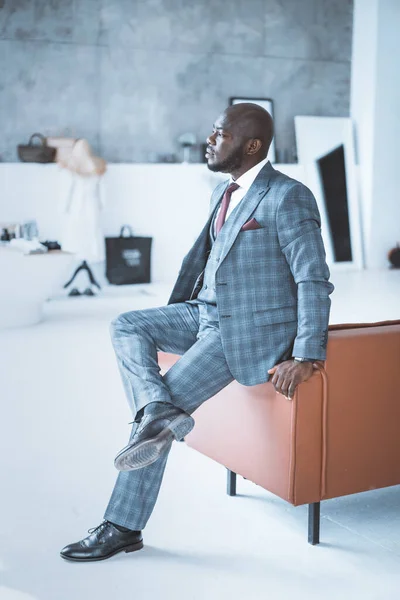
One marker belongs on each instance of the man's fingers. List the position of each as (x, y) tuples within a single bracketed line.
[(278, 384), (284, 379), (275, 378), (286, 387)]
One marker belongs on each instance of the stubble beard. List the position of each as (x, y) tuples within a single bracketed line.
[(232, 163)]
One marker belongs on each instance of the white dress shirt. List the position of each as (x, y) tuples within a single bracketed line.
[(245, 181)]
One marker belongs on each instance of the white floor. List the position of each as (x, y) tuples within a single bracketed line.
[(63, 419)]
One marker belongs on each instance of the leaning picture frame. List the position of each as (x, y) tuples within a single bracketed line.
[(326, 151), (266, 103)]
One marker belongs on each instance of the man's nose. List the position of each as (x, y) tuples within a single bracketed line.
[(211, 139)]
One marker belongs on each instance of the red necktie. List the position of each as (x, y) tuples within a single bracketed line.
[(224, 206)]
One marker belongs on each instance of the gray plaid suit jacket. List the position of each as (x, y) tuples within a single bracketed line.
[(272, 284)]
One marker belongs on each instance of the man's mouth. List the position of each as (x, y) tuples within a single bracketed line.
[(209, 153)]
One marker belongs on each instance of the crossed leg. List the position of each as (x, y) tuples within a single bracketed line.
[(198, 375)]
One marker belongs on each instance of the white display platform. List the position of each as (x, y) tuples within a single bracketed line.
[(27, 281)]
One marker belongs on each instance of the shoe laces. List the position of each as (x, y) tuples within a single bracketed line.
[(99, 529)]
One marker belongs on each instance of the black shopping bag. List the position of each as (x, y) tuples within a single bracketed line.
[(128, 258)]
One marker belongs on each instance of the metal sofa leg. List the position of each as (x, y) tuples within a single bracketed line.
[(314, 523), (231, 483)]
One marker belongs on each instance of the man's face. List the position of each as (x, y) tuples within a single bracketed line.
[(225, 148)]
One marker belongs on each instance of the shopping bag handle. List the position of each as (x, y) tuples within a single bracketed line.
[(130, 231)]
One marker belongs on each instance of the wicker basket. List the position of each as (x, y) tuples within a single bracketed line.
[(39, 153)]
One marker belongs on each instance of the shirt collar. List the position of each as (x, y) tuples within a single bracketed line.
[(246, 180)]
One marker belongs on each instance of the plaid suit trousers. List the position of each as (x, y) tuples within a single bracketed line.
[(199, 374)]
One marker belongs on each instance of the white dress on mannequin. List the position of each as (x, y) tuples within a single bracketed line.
[(82, 205)]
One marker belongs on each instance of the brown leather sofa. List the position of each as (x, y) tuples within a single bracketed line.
[(339, 435)]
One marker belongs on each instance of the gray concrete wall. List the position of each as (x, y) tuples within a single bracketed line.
[(132, 75)]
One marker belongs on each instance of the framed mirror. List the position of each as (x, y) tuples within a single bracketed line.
[(325, 147)]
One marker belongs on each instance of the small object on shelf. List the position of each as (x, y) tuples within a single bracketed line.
[(187, 141), (29, 230), (166, 158), (63, 147), (5, 236), (80, 159), (51, 245), (28, 246), (394, 256), (38, 153), (13, 230)]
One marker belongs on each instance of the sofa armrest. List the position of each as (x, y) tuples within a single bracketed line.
[(363, 409)]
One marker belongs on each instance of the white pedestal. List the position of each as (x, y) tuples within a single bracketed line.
[(26, 281)]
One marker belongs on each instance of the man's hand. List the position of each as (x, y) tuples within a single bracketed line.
[(288, 374)]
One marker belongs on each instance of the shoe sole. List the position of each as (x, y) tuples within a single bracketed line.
[(145, 453), (131, 548)]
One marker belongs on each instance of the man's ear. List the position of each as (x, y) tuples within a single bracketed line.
[(253, 146)]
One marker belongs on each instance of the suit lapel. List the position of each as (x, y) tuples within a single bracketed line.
[(198, 250), (244, 209), (218, 195), (215, 200)]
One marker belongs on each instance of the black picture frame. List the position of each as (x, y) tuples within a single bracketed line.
[(266, 103)]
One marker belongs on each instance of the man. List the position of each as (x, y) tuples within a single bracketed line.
[(251, 302)]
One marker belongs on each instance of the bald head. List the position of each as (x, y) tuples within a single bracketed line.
[(241, 139), (251, 121)]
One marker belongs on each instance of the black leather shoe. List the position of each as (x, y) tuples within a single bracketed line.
[(74, 292), (153, 436), (88, 292), (104, 541)]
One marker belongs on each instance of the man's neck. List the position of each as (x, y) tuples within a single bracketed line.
[(244, 168)]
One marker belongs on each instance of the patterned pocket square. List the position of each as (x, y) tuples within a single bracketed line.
[(252, 224)]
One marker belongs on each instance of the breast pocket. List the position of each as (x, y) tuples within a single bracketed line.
[(253, 231)]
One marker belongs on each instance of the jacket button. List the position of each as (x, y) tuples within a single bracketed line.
[(205, 287)]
